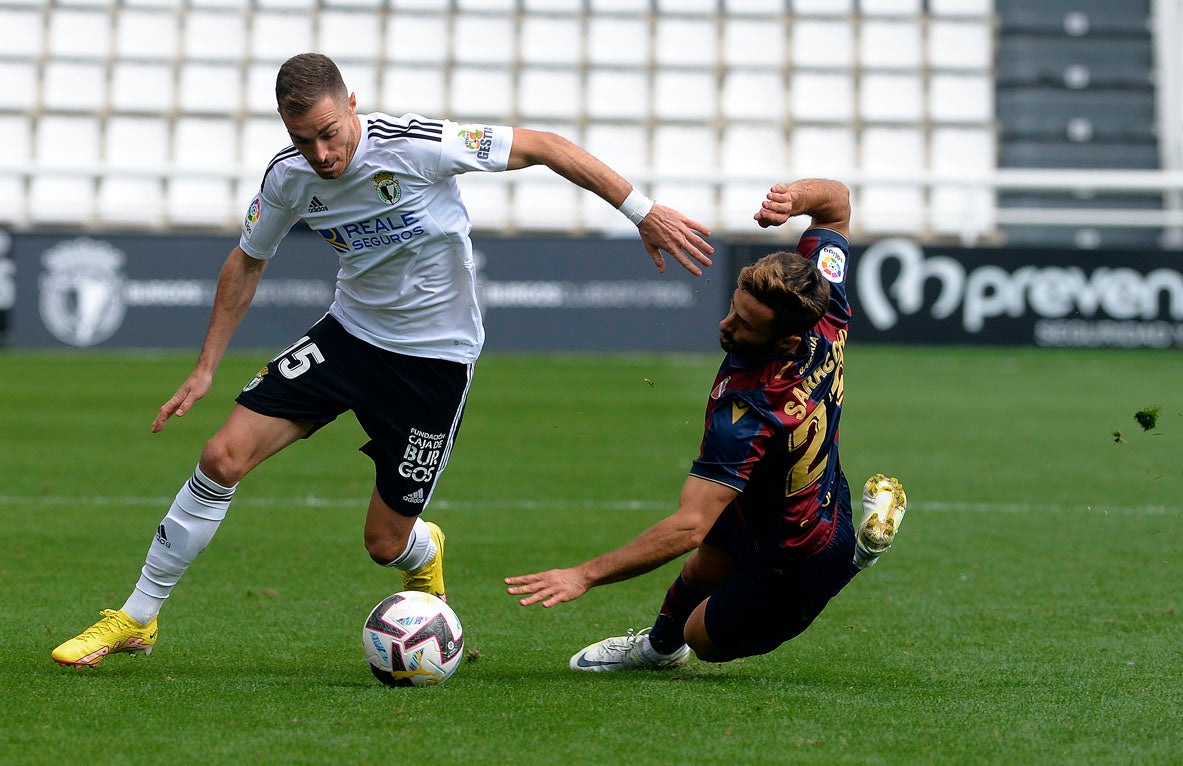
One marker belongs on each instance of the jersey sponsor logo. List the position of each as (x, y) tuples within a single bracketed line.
[(387, 187), (316, 206), (479, 140), (253, 213), (832, 262), (377, 232), (422, 456)]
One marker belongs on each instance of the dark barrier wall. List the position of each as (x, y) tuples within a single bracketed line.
[(538, 294), (902, 292), (155, 291)]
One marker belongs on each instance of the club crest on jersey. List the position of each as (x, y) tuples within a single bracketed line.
[(832, 262), (721, 388), (387, 187)]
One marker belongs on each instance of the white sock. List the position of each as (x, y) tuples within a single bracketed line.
[(184, 532), (420, 549)]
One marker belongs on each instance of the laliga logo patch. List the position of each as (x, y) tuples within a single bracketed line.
[(832, 263), (253, 213), (387, 187)]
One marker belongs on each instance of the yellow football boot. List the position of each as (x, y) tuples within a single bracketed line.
[(884, 504), (116, 632), (429, 578)]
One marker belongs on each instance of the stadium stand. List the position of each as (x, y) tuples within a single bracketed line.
[(701, 102)]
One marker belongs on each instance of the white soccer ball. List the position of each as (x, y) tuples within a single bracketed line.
[(413, 639)]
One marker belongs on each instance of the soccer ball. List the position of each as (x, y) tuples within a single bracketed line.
[(413, 639)]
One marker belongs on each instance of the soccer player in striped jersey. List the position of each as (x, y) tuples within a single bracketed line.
[(766, 508), (399, 342)]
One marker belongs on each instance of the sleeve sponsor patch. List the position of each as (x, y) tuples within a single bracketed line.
[(832, 262)]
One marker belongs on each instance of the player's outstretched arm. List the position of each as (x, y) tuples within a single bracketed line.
[(663, 229), (826, 201), (236, 288), (700, 505)]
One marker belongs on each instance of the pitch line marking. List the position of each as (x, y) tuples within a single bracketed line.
[(310, 501)]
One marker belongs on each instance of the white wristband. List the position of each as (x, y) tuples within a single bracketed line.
[(636, 206)]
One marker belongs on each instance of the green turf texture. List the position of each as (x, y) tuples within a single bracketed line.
[(1030, 612)]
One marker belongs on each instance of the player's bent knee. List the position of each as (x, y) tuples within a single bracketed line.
[(219, 464), (384, 550)]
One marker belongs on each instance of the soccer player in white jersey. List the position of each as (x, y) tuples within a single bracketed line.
[(398, 344)]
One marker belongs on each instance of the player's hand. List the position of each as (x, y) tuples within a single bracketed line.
[(195, 387), (552, 587), (776, 208), (666, 230)]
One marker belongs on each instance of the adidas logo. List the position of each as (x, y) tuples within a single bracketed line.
[(316, 206), (414, 497), (162, 538)]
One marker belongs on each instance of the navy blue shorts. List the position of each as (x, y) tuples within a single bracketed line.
[(409, 406), (769, 599)]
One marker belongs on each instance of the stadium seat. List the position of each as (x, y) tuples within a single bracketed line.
[(685, 41), (486, 195), (18, 141), (821, 96), (361, 78), (625, 147), (1075, 63), (893, 151), (549, 94), (278, 36), (961, 44), (753, 42), (79, 34), (349, 35), (142, 87), (1045, 113), (890, 44), (983, 9), (21, 33), (617, 93), (260, 139), (1077, 18), (768, 7), (136, 142), (74, 86), (966, 98), (822, 7), (483, 40), (1064, 154), (200, 201), (891, 97), (478, 93), (544, 201), (146, 35), (891, 209), (822, 151), (752, 150), (133, 202), (550, 40), (20, 91), (215, 35), (753, 95), (193, 137), (415, 39), (684, 149), (210, 88), (817, 40), (617, 41), (683, 95), (61, 200), (413, 89)]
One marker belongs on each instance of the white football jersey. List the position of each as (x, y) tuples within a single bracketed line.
[(407, 279)]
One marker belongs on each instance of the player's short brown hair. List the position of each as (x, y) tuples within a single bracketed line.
[(304, 80), (792, 287)]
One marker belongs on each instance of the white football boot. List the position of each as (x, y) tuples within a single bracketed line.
[(884, 504), (631, 652)]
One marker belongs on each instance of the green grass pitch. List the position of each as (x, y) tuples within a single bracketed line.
[(1030, 612)]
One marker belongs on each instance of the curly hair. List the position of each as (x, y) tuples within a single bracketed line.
[(791, 286), (304, 80)]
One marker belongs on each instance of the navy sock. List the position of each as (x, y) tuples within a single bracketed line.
[(668, 633)]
